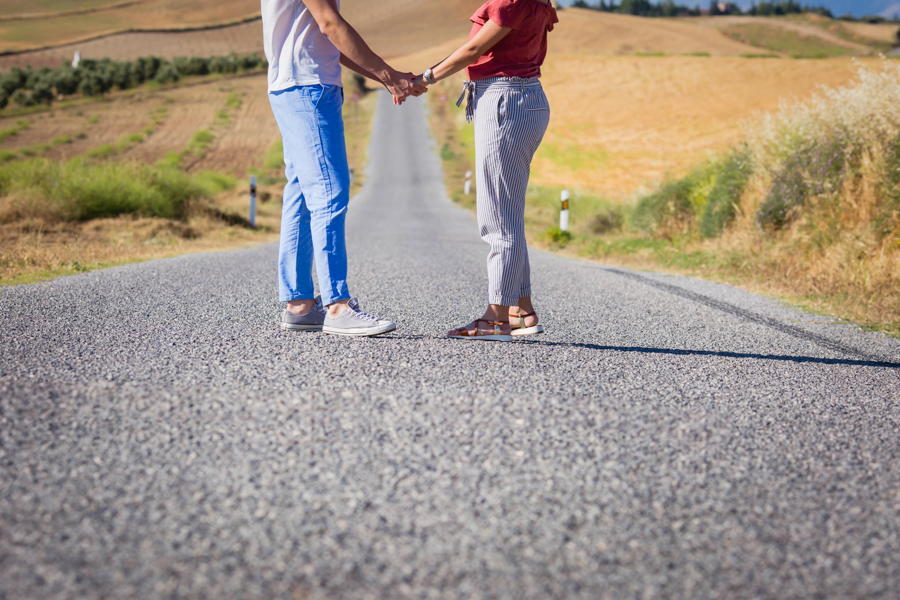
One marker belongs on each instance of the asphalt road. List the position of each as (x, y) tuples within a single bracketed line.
[(667, 438)]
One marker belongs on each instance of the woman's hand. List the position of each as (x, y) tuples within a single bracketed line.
[(420, 80)]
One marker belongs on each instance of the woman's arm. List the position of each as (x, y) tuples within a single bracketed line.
[(469, 52)]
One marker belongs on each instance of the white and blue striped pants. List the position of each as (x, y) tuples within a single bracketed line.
[(511, 116)]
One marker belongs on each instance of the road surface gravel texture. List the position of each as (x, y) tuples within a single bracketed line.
[(667, 437)]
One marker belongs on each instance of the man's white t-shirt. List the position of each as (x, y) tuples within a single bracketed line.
[(297, 52)]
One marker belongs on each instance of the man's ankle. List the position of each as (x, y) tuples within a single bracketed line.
[(336, 308), (300, 307)]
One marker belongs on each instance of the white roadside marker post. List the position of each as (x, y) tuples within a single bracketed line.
[(468, 188), (253, 201), (564, 213)]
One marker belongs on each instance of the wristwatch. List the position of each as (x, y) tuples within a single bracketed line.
[(428, 76)]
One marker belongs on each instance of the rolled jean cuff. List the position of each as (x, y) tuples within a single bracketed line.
[(336, 298), (292, 297)]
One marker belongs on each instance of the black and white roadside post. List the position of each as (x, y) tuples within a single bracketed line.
[(253, 201), (564, 211), (468, 188)]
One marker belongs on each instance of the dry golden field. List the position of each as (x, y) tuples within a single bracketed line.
[(391, 27), (633, 100), (53, 30), (622, 122)]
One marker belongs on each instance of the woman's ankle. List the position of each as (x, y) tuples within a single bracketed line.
[(524, 307)]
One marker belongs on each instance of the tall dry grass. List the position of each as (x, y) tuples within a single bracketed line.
[(811, 209)]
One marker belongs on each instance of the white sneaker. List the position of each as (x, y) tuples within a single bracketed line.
[(355, 322)]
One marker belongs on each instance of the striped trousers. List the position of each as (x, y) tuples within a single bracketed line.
[(511, 116)]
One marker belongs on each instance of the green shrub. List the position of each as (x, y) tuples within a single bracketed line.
[(22, 98), (60, 140), (102, 151), (233, 100), (4, 99), (557, 236), (215, 183), (9, 84), (200, 141), (670, 205), (608, 220), (813, 169), (171, 160), (132, 138), (731, 175), (167, 73), (42, 91), (7, 155), (887, 220), (90, 84), (66, 80), (193, 65), (79, 190)]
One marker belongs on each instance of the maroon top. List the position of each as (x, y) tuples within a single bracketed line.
[(521, 53)]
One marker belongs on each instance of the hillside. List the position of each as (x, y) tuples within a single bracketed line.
[(125, 32), (622, 119)]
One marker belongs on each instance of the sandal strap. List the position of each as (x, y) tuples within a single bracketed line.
[(522, 318), (474, 332)]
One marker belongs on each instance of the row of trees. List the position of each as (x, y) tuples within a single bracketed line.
[(668, 8), (641, 8), (28, 87)]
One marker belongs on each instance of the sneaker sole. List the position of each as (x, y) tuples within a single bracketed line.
[(293, 327), (362, 332)]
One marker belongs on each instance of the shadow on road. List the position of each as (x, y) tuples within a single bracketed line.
[(779, 357)]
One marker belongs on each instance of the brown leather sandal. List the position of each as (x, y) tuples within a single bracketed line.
[(520, 328), (465, 333)]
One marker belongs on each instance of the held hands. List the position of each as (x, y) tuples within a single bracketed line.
[(403, 85)]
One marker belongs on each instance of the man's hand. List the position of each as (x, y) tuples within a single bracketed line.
[(403, 85)]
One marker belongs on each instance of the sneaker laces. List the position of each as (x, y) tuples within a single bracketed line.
[(359, 314)]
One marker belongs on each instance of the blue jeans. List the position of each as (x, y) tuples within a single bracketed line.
[(316, 195)]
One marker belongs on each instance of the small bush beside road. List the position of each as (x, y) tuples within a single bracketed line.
[(79, 190)]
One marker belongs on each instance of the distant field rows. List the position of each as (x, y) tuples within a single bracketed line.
[(238, 145)]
